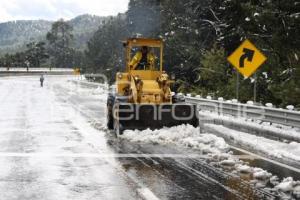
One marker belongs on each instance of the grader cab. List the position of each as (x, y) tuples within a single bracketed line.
[(142, 97)]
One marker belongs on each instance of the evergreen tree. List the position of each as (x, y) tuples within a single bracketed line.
[(60, 40), (35, 54), (105, 52), (143, 18)]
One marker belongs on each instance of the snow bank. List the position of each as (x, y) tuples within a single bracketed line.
[(261, 177), (229, 162), (278, 130), (183, 135), (286, 185), (188, 136), (267, 146), (290, 107), (296, 191), (261, 174), (244, 168)]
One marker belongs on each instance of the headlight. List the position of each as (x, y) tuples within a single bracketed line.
[(136, 78)]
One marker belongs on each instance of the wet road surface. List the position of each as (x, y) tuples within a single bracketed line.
[(54, 145)]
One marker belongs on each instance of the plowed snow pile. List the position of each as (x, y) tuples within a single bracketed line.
[(188, 136), (183, 135)]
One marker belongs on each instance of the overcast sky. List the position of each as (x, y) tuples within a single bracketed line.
[(55, 9)]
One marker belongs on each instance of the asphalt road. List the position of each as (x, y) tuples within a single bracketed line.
[(54, 145)]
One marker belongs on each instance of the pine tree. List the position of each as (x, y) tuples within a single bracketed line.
[(105, 52), (60, 40)]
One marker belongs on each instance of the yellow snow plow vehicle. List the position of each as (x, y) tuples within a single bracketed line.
[(142, 97)]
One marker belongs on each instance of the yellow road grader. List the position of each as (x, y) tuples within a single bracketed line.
[(142, 97)]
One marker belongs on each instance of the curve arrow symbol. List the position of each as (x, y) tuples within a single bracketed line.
[(248, 54)]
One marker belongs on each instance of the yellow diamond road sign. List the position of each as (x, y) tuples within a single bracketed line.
[(247, 58)]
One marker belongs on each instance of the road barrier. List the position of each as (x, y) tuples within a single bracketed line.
[(34, 71), (87, 84), (23, 69), (262, 113)]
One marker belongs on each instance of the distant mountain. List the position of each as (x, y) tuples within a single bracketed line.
[(84, 26), (14, 35)]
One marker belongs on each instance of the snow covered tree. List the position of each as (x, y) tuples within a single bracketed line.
[(105, 52)]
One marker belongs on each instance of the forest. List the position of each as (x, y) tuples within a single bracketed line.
[(198, 37)]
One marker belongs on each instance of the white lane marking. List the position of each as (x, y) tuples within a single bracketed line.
[(98, 155), (104, 155), (33, 130), (147, 194), (142, 190), (267, 159)]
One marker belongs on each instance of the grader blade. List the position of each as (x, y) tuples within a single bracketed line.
[(141, 116)]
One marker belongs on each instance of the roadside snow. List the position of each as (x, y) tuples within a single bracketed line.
[(183, 135), (216, 147), (228, 162), (267, 146), (261, 174), (244, 168), (286, 185), (296, 191)]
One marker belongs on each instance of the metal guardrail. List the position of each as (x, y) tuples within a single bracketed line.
[(22, 69), (262, 113), (87, 84), (34, 71)]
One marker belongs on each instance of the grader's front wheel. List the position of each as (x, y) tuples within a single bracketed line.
[(109, 112)]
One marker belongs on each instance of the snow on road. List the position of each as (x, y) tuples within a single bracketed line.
[(35, 121), (49, 150)]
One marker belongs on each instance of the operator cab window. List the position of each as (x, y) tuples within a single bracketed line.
[(152, 64)]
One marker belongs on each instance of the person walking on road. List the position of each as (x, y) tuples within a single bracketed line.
[(42, 80)]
